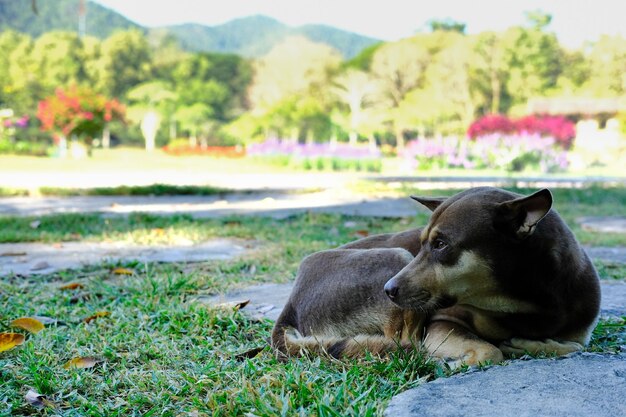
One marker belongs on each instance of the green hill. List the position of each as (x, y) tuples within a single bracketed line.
[(256, 35), (59, 15), (249, 36)]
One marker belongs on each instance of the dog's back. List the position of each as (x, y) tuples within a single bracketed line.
[(338, 301)]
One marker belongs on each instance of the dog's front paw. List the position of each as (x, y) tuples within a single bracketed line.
[(518, 346)]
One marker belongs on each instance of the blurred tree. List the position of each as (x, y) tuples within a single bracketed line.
[(220, 81), (607, 67), (293, 70), (534, 59), (354, 88), (196, 120), (447, 25), (153, 96), (125, 61), (399, 68), (489, 69), (449, 78), (58, 59)]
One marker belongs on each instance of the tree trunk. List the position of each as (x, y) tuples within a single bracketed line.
[(495, 92), (173, 132), (353, 137), (399, 139), (106, 137)]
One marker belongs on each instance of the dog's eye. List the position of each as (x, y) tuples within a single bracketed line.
[(439, 244)]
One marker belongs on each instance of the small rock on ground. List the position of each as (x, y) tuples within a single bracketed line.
[(583, 385), (41, 258)]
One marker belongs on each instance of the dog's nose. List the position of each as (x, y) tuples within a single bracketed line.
[(391, 290)]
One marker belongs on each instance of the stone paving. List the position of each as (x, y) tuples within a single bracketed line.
[(41, 258), (271, 204), (581, 385)]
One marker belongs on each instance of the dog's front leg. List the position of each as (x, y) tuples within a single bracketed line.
[(456, 345), (518, 346)]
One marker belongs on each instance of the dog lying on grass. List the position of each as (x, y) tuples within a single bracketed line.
[(492, 273)]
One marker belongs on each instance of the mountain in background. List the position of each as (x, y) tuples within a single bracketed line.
[(60, 15), (255, 35), (249, 36)]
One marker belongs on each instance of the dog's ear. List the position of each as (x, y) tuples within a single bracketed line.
[(522, 215), (430, 202)]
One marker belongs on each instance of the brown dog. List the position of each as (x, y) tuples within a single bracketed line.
[(493, 272)]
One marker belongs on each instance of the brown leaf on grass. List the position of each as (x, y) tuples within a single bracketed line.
[(28, 323), (71, 286), (10, 340), (362, 233), (95, 316), (249, 353), (38, 400), (123, 271), (235, 305), (82, 362)]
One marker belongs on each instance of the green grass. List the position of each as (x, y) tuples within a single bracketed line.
[(124, 190), (164, 355)]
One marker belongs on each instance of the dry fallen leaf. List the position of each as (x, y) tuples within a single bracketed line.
[(82, 362), (235, 305), (28, 323), (123, 271), (10, 340), (72, 286), (38, 400), (95, 316), (362, 233), (249, 353)]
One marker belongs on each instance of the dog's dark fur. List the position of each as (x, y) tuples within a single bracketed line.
[(493, 272)]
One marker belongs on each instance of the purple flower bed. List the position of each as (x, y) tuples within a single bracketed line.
[(272, 147), (513, 152), (317, 156)]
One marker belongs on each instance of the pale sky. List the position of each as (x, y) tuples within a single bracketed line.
[(574, 21)]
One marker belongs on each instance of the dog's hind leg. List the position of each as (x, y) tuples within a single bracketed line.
[(519, 346), (456, 345)]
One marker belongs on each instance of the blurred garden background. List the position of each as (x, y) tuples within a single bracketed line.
[(81, 82)]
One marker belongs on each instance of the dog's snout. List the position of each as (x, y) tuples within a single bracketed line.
[(391, 289)]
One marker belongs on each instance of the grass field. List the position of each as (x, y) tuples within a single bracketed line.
[(160, 354)]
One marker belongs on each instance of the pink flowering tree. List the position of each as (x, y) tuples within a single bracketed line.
[(78, 112)]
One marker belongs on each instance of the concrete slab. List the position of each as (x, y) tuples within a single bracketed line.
[(583, 385), (616, 254), (269, 204), (613, 224), (40, 258)]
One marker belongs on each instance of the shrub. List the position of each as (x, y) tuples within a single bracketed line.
[(78, 112), (557, 127)]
